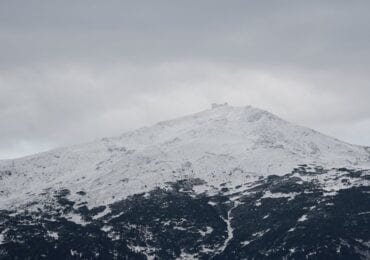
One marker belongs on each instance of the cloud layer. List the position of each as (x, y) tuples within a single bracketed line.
[(73, 71)]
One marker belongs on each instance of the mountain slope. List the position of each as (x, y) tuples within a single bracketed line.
[(227, 183), (244, 140)]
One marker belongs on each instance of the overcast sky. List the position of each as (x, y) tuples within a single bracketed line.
[(75, 71)]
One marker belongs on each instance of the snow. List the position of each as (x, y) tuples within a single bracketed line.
[(303, 218), (186, 256), (53, 234), (106, 211), (180, 228), (208, 231), (230, 229), (212, 203), (147, 251), (114, 236), (261, 233), (364, 213), (232, 145), (333, 181), (106, 228), (2, 239), (275, 195), (245, 243), (75, 253), (76, 219)]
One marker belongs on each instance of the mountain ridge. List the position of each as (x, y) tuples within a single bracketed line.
[(204, 145), (164, 122)]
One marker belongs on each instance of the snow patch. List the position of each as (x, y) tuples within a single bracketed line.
[(53, 234), (76, 219), (245, 243), (106, 211), (260, 233), (276, 195), (208, 231), (303, 218)]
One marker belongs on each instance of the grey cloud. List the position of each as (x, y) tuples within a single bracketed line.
[(73, 71), (310, 34)]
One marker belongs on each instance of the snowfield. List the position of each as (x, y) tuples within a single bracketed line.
[(232, 145)]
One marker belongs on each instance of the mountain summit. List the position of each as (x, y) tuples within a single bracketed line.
[(246, 141), (225, 183)]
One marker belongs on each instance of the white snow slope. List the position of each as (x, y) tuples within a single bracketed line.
[(223, 144)]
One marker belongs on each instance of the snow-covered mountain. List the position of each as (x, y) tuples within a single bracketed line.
[(222, 160), (245, 141)]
